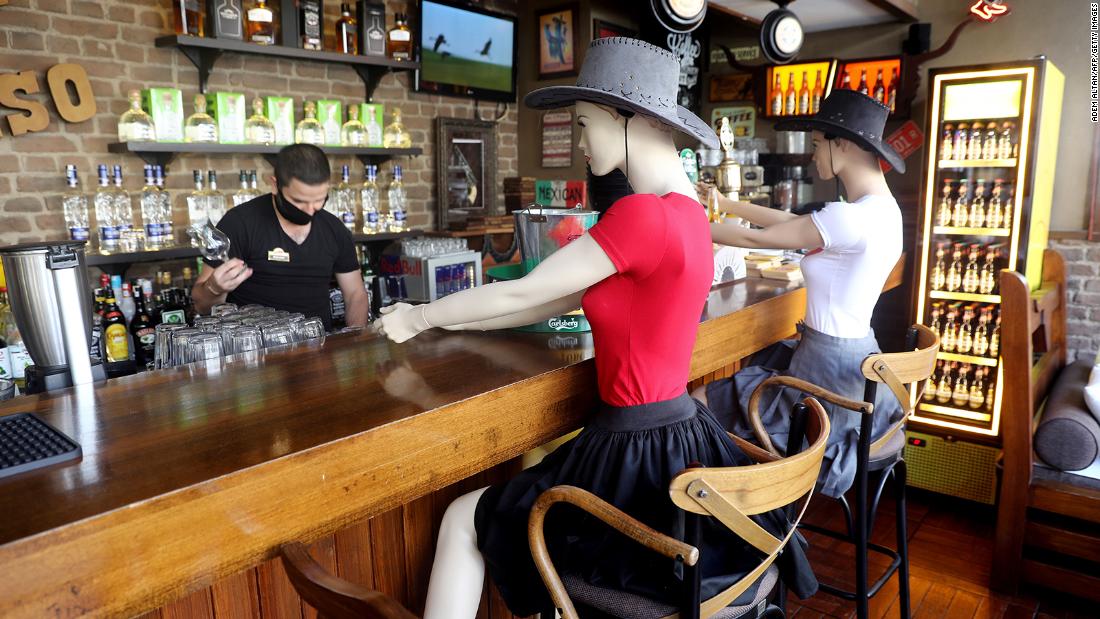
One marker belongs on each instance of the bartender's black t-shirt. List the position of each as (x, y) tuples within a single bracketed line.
[(286, 275)]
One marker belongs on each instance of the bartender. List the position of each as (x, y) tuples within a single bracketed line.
[(285, 248)]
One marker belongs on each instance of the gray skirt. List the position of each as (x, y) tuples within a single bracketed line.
[(826, 361)]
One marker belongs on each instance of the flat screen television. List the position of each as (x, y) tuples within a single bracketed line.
[(466, 51)]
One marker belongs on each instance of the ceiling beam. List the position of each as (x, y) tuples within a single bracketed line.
[(904, 10), (752, 21)]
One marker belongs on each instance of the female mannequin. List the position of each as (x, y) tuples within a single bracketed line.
[(856, 245), (647, 249)]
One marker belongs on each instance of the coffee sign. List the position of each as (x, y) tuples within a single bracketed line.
[(59, 78)]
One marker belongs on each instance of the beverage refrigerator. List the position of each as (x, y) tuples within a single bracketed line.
[(987, 183)]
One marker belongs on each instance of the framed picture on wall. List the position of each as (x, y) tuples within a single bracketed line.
[(466, 155), (602, 29), (731, 87), (557, 41)]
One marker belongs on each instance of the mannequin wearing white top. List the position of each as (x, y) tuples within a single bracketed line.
[(551, 289)]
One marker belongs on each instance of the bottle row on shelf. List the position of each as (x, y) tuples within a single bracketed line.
[(886, 95), (126, 314), (796, 101), (972, 329), (979, 141), (959, 208), (962, 385), (156, 115), (974, 277), (112, 215)]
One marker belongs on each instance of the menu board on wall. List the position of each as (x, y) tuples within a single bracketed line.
[(689, 49)]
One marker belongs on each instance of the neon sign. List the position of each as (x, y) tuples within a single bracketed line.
[(989, 10)]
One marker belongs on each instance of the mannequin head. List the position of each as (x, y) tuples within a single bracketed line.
[(839, 157), (603, 140)]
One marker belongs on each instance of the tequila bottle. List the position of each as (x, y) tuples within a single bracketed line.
[(353, 133), (150, 208), (258, 129), (989, 395), (200, 126), (939, 271), (1005, 149), (989, 142), (974, 145), (345, 200), (396, 197), (950, 331), (215, 200), (987, 278), (976, 217), (995, 339), (981, 337), (943, 213), (75, 205), (310, 131), (977, 389), (196, 205), (960, 212), (954, 272), (167, 234), (962, 134), (135, 125), (244, 194), (929, 392), (104, 204), (935, 321), (960, 396), (943, 389), (374, 131), (970, 275), (368, 196), (123, 204), (395, 135), (1006, 200), (995, 214), (947, 148), (965, 341)]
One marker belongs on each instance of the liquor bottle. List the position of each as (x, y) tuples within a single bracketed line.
[(167, 234), (395, 195), (252, 184), (777, 97), (309, 131), (226, 19), (862, 88), (395, 134), (261, 23), (892, 92), (960, 212), (95, 347), (947, 148), (123, 204), (960, 396), (804, 96), (995, 339), (950, 330), (970, 275), (399, 39), (962, 134), (935, 320), (189, 17), (215, 200), (943, 389), (1006, 200), (258, 129), (368, 196), (929, 392), (964, 342), (989, 142), (955, 271), (1005, 149), (976, 217), (981, 333), (353, 133), (74, 203), (372, 24), (818, 94), (974, 145), (104, 204), (345, 200), (196, 205), (987, 278), (347, 31), (977, 389), (126, 303), (939, 270), (880, 89), (135, 125), (200, 126), (143, 334), (116, 338), (846, 81), (311, 24), (990, 394), (150, 208), (943, 213), (790, 98), (244, 194)]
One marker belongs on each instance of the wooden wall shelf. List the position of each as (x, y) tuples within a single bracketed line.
[(162, 153)]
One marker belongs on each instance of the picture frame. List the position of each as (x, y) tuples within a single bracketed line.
[(729, 87), (466, 159), (603, 29), (557, 41)]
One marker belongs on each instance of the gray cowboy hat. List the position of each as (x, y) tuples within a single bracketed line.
[(854, 116), (628, 74)]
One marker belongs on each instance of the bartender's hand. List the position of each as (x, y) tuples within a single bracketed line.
[(401, 322), (228, 277)]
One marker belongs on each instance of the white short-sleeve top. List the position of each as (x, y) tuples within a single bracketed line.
[(862, 243)]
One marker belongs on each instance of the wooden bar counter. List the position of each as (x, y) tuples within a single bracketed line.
[(192, 476)]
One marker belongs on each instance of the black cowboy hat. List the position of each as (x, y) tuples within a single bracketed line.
[(628, 74), (854, 116)]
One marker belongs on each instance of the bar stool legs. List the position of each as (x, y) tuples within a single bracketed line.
[(900, 474)]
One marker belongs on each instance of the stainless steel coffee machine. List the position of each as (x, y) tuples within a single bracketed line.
[(48, 293)]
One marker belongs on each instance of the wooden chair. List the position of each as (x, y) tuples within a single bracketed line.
[(333, 597), (1053, 515), (883, 456), (729, 494)]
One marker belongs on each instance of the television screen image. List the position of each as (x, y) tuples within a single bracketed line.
[(466, 52)]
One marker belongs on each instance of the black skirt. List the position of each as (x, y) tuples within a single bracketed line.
[(626, 456)]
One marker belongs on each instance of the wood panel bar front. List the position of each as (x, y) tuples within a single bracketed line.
[(193, 475)]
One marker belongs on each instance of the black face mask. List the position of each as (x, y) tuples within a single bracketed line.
[(290, 212)]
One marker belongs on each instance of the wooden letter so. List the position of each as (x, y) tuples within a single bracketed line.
[(58, 78)]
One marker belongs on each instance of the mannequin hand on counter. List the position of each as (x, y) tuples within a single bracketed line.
[(401, 322)]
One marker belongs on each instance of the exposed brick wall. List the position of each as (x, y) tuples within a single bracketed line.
[(113, 41), (1083, 283)]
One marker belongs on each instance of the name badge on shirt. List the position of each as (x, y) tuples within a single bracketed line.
[(278, 255)]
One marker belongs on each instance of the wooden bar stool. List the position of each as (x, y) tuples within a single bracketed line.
[(883, 457), (729, 494)]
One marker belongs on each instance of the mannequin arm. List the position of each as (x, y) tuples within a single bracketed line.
[(558, 307), (754, 213), (797, 233)]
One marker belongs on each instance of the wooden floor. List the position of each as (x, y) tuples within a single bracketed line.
[(950, 550)]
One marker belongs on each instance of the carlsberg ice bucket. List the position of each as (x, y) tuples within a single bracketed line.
[(543, 231)]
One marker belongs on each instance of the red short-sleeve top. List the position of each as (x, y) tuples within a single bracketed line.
[(645, 317)]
